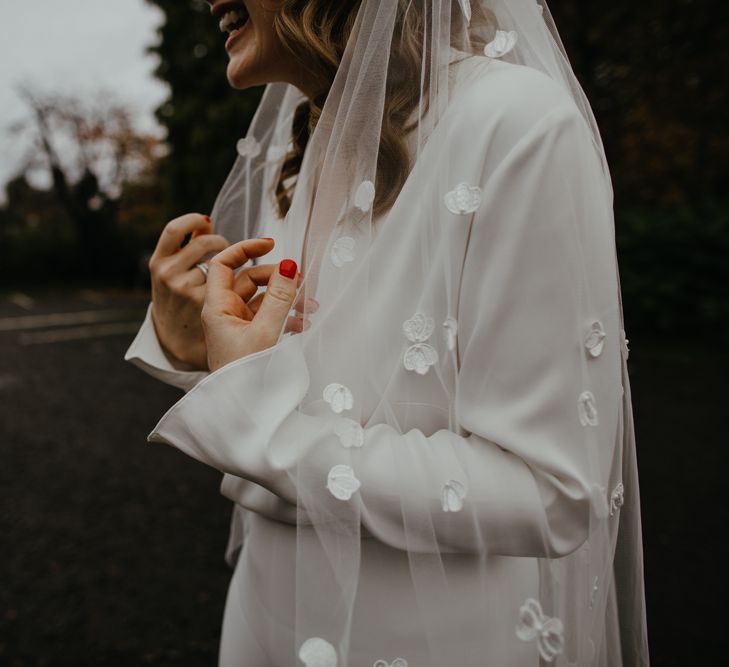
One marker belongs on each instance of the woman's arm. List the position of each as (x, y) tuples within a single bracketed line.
[(520, 483)]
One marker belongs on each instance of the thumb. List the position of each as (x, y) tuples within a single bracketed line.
[(279, 296)]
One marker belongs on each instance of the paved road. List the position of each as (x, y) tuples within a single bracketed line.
[(112, 548)]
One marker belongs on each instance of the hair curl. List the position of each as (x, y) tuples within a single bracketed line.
[(315, 32)]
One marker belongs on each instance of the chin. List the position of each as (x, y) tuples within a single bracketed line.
[(241, 76), (237, 79)]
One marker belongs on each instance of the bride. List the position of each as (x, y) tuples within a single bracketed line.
[(401, 342)]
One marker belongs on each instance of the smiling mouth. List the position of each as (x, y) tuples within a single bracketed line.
[(232, 16)]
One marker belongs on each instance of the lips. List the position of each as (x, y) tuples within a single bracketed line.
[(232, 16)]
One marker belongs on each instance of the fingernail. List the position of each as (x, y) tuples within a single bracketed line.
[(265, 238), (287, 268), (207, 219)]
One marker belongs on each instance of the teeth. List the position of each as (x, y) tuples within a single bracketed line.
[(230, 19)]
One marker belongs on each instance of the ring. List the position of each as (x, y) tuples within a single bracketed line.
[(204, 268)]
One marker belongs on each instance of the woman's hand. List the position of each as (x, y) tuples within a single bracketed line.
[(235, 324), (178, 287)]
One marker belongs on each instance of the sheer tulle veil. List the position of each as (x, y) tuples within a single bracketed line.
[(587, 606)]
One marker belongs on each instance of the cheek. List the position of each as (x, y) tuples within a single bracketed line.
[(256, 59)]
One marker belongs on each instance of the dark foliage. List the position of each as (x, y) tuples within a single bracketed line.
[(203, 116), (653, 72)]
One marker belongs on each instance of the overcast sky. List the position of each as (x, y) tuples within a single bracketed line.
[(73, 46)]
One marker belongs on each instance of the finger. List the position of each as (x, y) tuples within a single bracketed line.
[(296, 324), (255, 303), (250, 279), (304, 305), (196, 250), (293, 322), (198, 280), (221, 278), (312, 305), (278, 297), (174, 233), (239, 253), (206, 230)]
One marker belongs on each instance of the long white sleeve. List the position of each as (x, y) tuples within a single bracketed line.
[(147, 353), (523, 463)]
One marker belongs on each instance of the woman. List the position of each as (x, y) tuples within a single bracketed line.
[(430, 458)]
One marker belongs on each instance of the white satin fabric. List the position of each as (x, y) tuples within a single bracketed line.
[(519, 435)]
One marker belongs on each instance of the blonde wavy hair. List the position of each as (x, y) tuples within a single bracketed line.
[(315, 32)]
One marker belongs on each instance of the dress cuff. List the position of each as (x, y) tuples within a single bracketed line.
[(228, 419), (147, 353)]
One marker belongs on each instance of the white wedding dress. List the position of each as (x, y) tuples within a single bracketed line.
[(521, 334)]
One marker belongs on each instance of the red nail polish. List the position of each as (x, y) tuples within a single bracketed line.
[(265, 238), (287, 268), (207, 219)]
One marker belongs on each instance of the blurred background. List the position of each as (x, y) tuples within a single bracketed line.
[(116, 117)]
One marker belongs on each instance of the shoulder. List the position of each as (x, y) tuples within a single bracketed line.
[(486, 89), (495, 104)]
